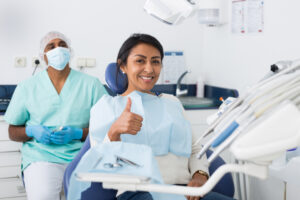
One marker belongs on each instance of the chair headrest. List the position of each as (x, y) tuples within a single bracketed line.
[(116, 82)]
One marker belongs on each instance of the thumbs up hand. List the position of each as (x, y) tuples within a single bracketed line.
[(127, 123)]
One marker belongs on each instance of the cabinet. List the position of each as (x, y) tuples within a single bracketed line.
[(197, 118), (11, 185)]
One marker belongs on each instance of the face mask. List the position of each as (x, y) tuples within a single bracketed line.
[(58, 58)]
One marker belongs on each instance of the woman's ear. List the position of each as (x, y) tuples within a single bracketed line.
[(122, 67)]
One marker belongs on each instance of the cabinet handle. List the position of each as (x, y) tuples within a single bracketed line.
[(21, 189), (12, 151), (18, 177)]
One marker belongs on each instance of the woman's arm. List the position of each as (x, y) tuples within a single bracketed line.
[(195, 163), (198, 168)]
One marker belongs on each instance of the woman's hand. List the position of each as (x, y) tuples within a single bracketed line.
[(197, 181), (128, 122)]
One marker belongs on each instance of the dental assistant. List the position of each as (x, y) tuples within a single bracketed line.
[(50, 114)]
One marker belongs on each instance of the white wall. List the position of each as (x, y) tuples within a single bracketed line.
[(237, 61), (97, 28)]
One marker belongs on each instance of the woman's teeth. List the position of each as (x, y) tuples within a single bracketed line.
[(146, 78)]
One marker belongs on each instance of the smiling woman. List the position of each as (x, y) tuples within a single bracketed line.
[(143, 68), (140, 57)]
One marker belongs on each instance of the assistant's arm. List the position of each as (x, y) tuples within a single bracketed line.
[(17, 115), (85, 132), (17, 133)]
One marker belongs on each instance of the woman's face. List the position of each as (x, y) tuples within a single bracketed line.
[(142, 68)]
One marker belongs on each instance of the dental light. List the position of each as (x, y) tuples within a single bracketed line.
[(210, 12), (170, 11)]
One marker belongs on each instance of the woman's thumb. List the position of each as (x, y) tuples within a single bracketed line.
[(128, 105)]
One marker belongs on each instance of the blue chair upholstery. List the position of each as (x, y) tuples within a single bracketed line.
[(72, 165), (117, 82), (225, 185)]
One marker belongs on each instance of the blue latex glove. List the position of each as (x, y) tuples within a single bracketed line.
[(39, 132), (66, 135)]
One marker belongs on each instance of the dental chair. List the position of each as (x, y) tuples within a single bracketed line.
[(117, 85)]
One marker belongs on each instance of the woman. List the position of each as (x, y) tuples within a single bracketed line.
[(142, 117), (50, 114)]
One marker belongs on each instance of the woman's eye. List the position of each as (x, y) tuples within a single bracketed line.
[(156, 62), (140, 61)]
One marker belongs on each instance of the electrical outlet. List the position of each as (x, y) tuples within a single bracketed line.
[(90, 62), (34, 60), (20, 61), (81, 63)]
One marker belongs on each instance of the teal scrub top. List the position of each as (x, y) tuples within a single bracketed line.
[(36, 102)]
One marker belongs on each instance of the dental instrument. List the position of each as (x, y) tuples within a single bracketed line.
[(57, 129), (256, 111), (268, 103), (288, 69), (112, 165), (129, 162), (266, 88), (117, 164), (244, 127)]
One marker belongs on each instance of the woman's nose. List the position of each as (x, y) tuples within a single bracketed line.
[(148, 67)]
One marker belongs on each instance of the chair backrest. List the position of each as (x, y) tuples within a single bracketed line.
[(117, 82)]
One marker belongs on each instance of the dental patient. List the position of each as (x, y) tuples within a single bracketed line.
[(140, 116)]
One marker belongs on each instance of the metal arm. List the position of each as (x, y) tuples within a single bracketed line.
[(259, 171)]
